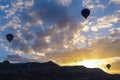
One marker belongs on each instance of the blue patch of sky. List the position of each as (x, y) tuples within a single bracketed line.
[(108, 10), (9, 30), (117, 25), (105, 32), (31, 42), (104, 2), (75, 8), (101, 32), (5, 2), (87, 34), (2, 14), (3, 53)]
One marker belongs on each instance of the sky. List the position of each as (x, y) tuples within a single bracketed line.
[(55, 30)]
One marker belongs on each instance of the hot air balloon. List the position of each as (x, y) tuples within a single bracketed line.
[(108, 66), (85, 13), (9, 37)]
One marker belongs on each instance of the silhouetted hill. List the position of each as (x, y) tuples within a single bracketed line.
[(51, 71)]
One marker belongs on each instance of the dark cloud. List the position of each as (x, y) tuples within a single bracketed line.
[(20, 45), (17, 58), (50, 26), (20, 58), (115, 34), (48, 11)]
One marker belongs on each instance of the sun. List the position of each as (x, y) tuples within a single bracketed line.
[(90, 63)]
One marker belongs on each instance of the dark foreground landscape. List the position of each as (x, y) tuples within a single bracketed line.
[(51, 71)]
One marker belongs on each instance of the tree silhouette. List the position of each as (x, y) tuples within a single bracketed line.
[(6, 64)]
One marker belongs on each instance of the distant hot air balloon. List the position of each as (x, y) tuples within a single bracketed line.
[(9, 37), (85, 13), (108, 66)]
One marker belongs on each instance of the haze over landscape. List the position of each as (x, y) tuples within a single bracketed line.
[(55, 30)]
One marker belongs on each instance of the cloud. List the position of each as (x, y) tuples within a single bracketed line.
[(64, 2), (18, 58), (86, 25), (47, 27), (14, 23), (29, 3), (11, 8), (3, 7), (115, 1), (96, 4), (57, 37), (110, 48), (15, 6), (21, 45), (105, 22), (115, 33)]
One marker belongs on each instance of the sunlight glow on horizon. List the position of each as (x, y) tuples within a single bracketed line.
[(94, 63), (90, 63)]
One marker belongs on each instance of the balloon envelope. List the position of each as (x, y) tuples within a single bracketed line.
[(85, 13), (9, 37), (108, 66)]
